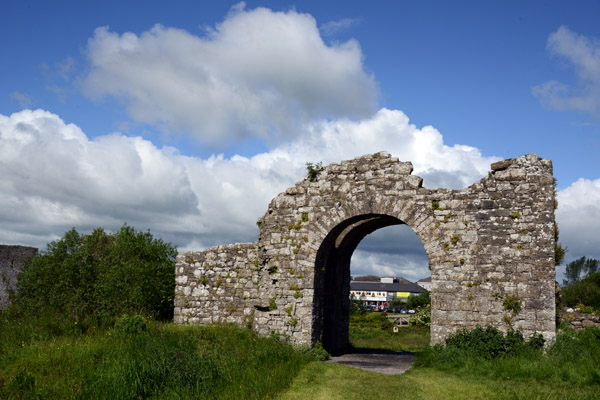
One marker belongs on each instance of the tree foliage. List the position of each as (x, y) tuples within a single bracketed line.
[(422, 317), (100, 275), (580, 269), (418, 301), (586, 292)]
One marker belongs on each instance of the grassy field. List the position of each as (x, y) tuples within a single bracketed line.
[(569, 370), (137, 358), (140, 359), (370, 330), (336, 381)]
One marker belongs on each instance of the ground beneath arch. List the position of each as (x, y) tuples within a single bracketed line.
[(382, 361)]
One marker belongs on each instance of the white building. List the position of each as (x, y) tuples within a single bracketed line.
[(379, 293), (425, 283)]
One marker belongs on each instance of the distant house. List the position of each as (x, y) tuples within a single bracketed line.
[(378, 294), (425, 283)]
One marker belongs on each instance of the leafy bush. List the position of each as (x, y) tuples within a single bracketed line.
[(130, 325), (418, 301), (317, 351), (99, 277), (572, 359), (585, 292), (490, 343), (422, 317)]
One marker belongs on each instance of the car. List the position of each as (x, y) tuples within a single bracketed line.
[(411, 311)]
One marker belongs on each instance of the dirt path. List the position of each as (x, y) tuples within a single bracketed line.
[(385, 362)]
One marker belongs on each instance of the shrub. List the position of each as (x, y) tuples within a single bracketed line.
[(420, 300), (100, 276), (317, 351), (422, 317), (490, 343), (130, 324), (585, 292)]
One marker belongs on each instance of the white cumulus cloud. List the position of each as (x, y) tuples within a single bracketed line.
[(258, 72), (583, 55), (578, 217), (53, 177)]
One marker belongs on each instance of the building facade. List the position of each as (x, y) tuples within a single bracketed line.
[(379, 294)]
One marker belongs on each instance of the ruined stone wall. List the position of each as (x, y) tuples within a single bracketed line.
[(12, 259), (578, 320), (491, 241), (219, 285)]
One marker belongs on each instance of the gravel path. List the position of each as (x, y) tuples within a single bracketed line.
[(385, 362)]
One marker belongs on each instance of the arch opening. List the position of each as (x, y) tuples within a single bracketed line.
[(331, 307)]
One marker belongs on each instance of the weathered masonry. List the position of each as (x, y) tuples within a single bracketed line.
[(12, 259), (488, 245)]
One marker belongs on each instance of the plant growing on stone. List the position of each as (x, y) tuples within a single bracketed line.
[(313, 171), (511, 304), (454, 239), (288, 310), (272, 303)]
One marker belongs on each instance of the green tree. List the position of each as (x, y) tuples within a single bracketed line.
[(100, 275), (580, 269), (586, 292), (418, 301), (396, 303)]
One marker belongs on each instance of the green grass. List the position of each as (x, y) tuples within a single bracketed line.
[(569, 370), (336, 381), (48, 358), (161, 361), (370, 330), (574, 359)]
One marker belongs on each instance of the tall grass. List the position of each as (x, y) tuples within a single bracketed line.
[(143, 360), (573, 359)]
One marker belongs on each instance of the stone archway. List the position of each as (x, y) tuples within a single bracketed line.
[(332, 278), (491, 240)]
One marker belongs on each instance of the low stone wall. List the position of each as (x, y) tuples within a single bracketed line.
[(12, 259), (578, 320)]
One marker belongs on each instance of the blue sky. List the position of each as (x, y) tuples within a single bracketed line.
[(188, 128)]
